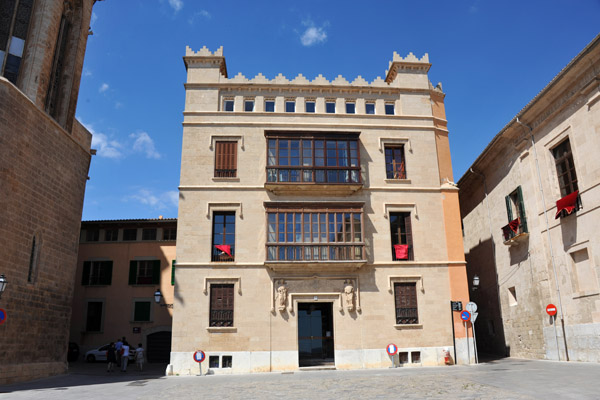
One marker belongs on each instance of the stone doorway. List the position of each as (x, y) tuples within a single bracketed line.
[(315, 334)]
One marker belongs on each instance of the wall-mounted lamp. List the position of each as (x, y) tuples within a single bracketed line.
[(3, 283), (475, 282), (157, 297)]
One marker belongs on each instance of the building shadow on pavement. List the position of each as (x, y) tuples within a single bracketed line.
[(83, 373)]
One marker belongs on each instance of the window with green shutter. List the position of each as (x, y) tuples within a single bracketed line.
[(515, 211), (141, 311)]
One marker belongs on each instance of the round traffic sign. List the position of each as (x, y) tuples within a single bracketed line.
[(465, 315), (391, 349), (2, 316), (551, 309), (199, 356), (471, 307)]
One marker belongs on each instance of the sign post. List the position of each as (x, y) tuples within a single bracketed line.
[(454, 306), (199, 356), (551, 310), (392, 349), (465, 316), (472, 308)]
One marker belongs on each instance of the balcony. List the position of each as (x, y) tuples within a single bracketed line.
[(514, 232), (307, 180), (407, 316), (221, 256), (315, 257)]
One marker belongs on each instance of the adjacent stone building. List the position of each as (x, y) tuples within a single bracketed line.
[(120, 266), (44, 161), (318, 222), (530, 210)]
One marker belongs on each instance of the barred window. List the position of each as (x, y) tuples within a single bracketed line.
[(221, 305), (405, 294)]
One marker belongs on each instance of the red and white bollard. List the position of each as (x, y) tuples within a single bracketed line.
[(447, 357)]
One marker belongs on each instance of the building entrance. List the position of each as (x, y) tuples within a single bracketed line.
[(315, 334)]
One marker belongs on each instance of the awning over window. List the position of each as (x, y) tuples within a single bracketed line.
[(567, 203), (401, 251)]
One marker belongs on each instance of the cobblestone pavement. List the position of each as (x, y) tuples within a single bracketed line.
[(501, 379)]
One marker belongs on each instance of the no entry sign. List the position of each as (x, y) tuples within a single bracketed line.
[(2, 316), (199, 356), (465, 315), (551, 309), (391, 349)]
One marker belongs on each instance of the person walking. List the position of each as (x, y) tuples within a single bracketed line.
[(139, 357), (118, 348), (111, 357), (125, 356)]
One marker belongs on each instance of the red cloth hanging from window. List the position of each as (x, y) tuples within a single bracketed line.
[(401, 251), (514, 225), (567, 203), (225, 248)]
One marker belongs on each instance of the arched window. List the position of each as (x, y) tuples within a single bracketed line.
[(14, 24)]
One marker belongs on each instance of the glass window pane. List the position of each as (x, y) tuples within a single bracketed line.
[(269, 106), (310, 106), (290, 106), (389, 109), (370, 108), (249, 105), (350, 108), (330, 107)]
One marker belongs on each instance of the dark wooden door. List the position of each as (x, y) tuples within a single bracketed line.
[(315, 334)]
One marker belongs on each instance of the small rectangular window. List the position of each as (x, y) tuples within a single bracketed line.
[(223, 240), (141, 311), (370, 108), (144, 272), (213, 361), (330, 107), (270, 105), (111, 235), (225, 159), (228, 105), (248, 105), (389, 109), (92, 235), (93, 320), (169, 233), (405, 294), (512, 296), (221, 305), (400, 229), (96, 273), (415, 357), (403, 357), (130, 234), (310, 106), (290, 106), (149, 234), (227, 361), (350, 108)]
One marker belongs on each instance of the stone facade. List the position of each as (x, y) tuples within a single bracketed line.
[(276, 283), (126, 304), (546, 260), (44, 161)]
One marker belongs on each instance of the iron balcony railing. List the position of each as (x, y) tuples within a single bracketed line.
[(221, 318), (225, 173), (303, 174), (315, 252), (220, 256), (407, 316), (409, 258)]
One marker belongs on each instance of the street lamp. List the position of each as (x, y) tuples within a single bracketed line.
[(475, 282), (157, 297), (3, 283)]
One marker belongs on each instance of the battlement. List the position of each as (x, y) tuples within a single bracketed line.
[(410, 63)]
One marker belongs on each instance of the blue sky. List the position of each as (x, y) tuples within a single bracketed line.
[(491, 57)]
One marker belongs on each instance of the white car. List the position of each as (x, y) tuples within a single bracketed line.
[(99, 354)]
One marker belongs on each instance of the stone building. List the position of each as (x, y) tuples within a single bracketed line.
[(317, 222), (121, 263), (44, 162), (530, 210)]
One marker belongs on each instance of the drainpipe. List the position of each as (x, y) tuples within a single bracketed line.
[(537, 165), (487, 203)]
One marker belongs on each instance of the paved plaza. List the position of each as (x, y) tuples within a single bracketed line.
[(500, 379)]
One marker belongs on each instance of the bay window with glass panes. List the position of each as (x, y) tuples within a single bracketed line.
[(311, 234), (313, 159)]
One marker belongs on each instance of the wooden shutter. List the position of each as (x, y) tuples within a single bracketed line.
[(405, 294), (132, 272), (106, 276), (221, 305), (522, 210), (226, 159), (508, 208), (85, 276), (409, 238), (156, 272)]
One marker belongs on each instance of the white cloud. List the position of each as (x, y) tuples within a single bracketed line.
[(87, 72), (157, 201), (105, 147), (118, 105), (176, 4), (144, 144), (103, 88), (94, 18), (199, 14), (313, 34)]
